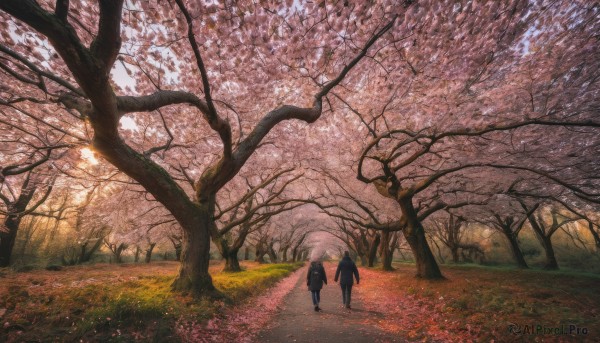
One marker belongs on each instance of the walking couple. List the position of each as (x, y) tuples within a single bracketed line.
[(315, 278)]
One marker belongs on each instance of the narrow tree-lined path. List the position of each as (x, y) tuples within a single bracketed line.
[(298, 322)]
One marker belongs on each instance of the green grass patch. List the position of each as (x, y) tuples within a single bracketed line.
[(240, 285), (487, 297), (140, 308), (512, 268), (133, 303), (149, 305)]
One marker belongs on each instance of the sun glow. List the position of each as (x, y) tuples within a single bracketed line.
[(88, 155)]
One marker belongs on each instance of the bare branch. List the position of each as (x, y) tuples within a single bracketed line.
[(224, 128), (108, 41), (62, 10)]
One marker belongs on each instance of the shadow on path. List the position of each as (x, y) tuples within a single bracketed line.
[(298, 322)]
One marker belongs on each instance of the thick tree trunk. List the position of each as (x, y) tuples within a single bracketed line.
[(195, 255), (372, 259), (516, 250), (384, 251), (272, 255), (363, 260), (545, 238), (388, 252), (387, 260), (228, 253), (119, 252), (149, 252), (137, 254), (372, 256), (427, 267), (246, 253), (86, 255), (284, 258), (260, 255), (118, 258), (551, 262), (7, 239), (454, 250), (232, 264), (388, 242), (178, 250), (12, 221)]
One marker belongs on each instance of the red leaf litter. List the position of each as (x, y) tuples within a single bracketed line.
[(242, 323), (408, 316)]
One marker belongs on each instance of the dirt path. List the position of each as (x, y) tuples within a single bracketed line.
[(298, 322)]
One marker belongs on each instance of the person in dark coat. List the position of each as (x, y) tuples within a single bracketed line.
[(345, 270), (315, 278)]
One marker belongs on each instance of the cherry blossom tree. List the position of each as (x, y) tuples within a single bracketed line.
[(82, 46), (389, 243), (299, 246), (547, 213), (291, 235), (28, 167), (240, 217), (366, 219), (17, 195), (544, 232), (414, 107), (450, 231), (476, 112), (88, 231)]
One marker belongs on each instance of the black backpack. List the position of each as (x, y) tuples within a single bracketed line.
[(316, 277)]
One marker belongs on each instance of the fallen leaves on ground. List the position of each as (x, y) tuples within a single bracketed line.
[(243, 323), (477, 304), (407, 315)]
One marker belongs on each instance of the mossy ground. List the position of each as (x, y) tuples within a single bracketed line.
[(116, 303)]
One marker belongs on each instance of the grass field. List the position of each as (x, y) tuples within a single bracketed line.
[(117, 303), (480, 303), (133, 302)]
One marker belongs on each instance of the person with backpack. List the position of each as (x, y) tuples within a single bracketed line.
[(315, 278), (345, 270)]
